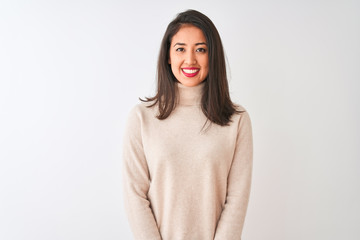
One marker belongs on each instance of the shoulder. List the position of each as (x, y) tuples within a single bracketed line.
[(140, 111), (242, 111), (242, 117), (240, 107), (134, 120)]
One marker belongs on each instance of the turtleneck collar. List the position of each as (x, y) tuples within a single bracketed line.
[(189, 96)]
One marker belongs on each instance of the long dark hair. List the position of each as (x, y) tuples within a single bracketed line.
[(215, 102)]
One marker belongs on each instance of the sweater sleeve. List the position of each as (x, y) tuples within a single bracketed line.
[(232, 218), (136, 182)]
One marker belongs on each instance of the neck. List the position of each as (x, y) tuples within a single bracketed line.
[(190, 95)]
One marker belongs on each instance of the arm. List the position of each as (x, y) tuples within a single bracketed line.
[(136, 182), (232, 217)]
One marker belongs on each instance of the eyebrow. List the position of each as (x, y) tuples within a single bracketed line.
[(196, 44)]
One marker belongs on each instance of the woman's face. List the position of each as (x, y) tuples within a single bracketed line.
[(189, 56)]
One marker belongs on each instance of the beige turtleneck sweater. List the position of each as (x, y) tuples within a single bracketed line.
[(183, 184)]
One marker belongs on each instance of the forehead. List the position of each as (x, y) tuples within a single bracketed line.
[(189, 34)]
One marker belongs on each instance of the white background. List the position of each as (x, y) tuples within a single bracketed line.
[(71, 70)]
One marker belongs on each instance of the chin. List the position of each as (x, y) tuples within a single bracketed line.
[(189, 81)]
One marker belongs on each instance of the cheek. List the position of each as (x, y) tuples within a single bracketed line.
[(174, 68), (205, 61), (206, 67), (175, 64)]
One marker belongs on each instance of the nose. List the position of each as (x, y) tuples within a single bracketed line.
[(190, 58)]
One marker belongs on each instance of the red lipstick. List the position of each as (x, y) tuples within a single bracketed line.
[(190, 72)]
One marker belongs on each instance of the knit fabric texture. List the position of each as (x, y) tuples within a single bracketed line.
[(181, 183)]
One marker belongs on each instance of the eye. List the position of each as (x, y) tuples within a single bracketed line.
[(180, 49), (203, 50)]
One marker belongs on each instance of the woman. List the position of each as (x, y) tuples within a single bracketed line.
[(181, 180)]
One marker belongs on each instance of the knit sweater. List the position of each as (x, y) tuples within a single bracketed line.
[(181, 183)]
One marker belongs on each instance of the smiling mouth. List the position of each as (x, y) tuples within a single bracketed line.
[(190, 72)]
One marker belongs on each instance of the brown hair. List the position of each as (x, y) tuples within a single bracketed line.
[(215, 102)]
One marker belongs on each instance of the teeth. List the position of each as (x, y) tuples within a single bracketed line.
[(190, 70)]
